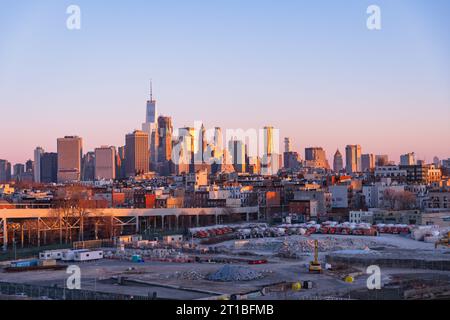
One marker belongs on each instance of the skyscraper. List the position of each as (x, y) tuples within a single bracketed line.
[(202, 144), (88, 167), (237, 151), (5, 171), (105, 163), (338, 162), (353, 158), (151, 128), (381, 160), (367, 162), (37, 164), (165, 131), (120, 163), (49, 167), (136, 153), (316, 157), (287, 144), (185, 153), (69, 158), (408, 159), (29, 167), (269, 153), (218, 145), (18, 170), (268, 141)]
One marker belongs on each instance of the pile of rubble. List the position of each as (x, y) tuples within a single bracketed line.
[(187, 275), (234, 273), (297, 247), (429, 234), (260, 245)]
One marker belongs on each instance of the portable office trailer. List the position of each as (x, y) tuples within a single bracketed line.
[(69, 255), (51, 254), (127, 239), (88, 255), (173, 239)]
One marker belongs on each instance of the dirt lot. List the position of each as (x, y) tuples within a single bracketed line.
[(189, 280)]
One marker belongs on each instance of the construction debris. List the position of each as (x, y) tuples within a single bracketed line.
[(296, 247), (234, 273)]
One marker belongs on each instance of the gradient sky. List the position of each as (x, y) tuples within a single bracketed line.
[(310, 68)]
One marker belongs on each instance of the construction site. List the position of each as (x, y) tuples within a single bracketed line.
[(245, 261)]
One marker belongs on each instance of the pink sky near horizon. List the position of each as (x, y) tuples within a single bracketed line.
[(317, 75)]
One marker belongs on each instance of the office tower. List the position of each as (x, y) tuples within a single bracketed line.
[(381, 160), (181, 157), (29, 166), (367, 162), (237, 152), (49, 168), (353, 158), (120, 163), (105, 163), (338, 162), (202, 144), (37, 164), (18, 170), (316, 157), (88, 167), (136, 153), (408, 159), (287, 145), (165, 131), (70, 150), (291, 160), (269, 152), (184, 151), (436, 162), (268, 141), (5, 171), (218, 145), (151, 128)]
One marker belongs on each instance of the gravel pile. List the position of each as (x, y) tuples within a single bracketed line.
[(234, 273)]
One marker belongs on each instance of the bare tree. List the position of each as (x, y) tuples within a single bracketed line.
[(405, 200), (389, 196)]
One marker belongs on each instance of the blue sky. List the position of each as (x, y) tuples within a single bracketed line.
[(310, 68)]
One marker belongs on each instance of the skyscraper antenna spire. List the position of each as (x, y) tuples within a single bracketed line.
[(151, 90)]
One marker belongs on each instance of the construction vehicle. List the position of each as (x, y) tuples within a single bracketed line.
[(444, 241), (314, 266)]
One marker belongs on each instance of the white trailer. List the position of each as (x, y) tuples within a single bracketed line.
[(88, 255), (51, 254), (69, 255)]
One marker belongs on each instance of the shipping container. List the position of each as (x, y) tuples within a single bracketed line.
[(24, 263)]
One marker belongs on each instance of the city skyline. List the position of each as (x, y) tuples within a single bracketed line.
[(350, 86)]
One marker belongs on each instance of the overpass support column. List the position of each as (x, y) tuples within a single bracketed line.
[(4, 225), (247, 216), (197, 220), (137, 224), (162, 222)]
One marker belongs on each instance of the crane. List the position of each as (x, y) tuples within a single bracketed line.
[(314, 266), (444, 241)]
